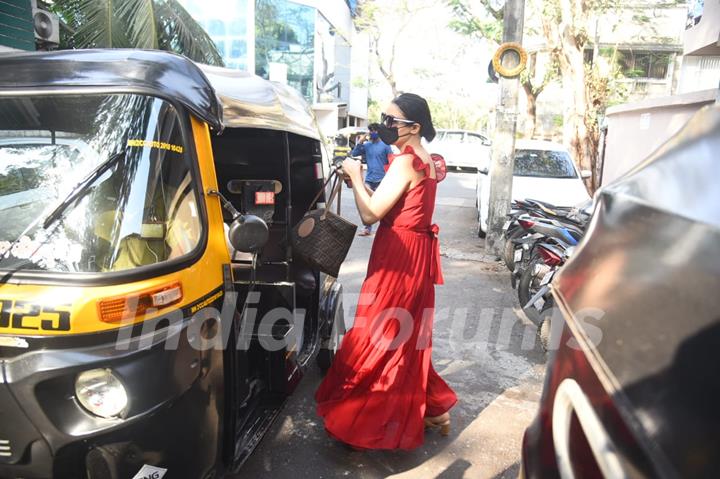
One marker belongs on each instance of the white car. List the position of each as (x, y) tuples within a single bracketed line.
[(543, 171), (461, 148)]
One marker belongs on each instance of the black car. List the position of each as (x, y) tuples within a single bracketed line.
[(632, 386)]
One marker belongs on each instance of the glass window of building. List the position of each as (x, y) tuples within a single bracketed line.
[(285, 33), (227, 24), (332, 63)]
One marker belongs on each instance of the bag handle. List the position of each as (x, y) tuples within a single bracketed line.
[(320, 192), (335, 190)]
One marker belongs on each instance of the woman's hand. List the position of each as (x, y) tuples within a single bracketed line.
[(352, 169)]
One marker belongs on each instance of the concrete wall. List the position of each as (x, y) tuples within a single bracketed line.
[(359, 74), (704, 38), (327, 118), (699, 73), (636, 130)]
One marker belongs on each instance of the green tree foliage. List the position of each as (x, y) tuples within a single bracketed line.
[(455, 116), (468, 23), (149, 24), (488, 24), (383, 42)]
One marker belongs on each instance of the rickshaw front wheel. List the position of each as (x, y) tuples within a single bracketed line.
[(330, 345)]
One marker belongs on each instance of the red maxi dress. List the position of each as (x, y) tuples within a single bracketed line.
[(382, 383)]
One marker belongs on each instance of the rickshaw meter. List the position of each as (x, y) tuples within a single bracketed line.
[(101, 393)]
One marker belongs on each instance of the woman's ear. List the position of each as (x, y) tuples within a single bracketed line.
[(415, 129)]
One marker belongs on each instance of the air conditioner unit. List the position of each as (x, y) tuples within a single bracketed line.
[(47, 27)]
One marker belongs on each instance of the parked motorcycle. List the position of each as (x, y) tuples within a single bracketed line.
[(538, 230), (512, 230), (539, 238)]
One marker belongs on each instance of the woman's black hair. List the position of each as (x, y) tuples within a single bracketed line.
[(416, 109)]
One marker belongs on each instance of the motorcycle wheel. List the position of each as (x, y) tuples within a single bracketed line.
[(545, 328), (509, 248), (527, 287), (478, 227)]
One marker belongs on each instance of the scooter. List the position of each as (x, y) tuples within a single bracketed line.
[(536, 229)]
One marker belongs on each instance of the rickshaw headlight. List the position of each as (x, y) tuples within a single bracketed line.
[(101, 393)]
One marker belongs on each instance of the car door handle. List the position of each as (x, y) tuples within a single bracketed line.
[(570, 398)]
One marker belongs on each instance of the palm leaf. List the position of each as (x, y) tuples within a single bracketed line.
[(179, 32), (163, 24), (139, 16), (96, 23)]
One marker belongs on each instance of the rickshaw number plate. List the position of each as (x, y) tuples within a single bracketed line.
[(13, 342), (264, 198), (518, 255), (150, 472)]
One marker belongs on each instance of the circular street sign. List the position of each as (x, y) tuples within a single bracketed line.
[(509, 60)]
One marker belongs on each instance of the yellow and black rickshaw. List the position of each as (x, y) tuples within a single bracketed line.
[(346, 139), (153, 316)]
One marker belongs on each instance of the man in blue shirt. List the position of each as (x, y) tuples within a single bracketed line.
[(375, 153)]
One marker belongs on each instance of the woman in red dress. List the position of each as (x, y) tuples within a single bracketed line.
[(382, 391)]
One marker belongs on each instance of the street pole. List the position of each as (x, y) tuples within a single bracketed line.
[(503, 147)]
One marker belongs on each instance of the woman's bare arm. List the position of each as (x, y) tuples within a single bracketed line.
[(373, 208)]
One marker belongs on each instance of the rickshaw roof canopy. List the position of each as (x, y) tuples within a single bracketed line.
[(162, 74), (249, 101)]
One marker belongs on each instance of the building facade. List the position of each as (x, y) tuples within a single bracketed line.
[(635, 130), (310, 45), (639, 43), (701, 47), (27, 25), (16, 25)]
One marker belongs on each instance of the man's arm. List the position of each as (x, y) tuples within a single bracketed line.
[(358, 150)]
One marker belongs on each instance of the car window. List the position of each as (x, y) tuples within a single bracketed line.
[(453, 136), (544, 163), (473, 138)]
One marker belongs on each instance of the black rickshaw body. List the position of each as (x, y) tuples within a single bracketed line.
[(135, 341), (632, 383)]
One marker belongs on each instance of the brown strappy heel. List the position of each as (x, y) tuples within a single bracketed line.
[(442, 422)]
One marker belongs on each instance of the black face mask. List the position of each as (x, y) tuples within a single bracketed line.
[(389, 135)]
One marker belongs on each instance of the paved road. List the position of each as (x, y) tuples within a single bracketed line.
[(481, 347)]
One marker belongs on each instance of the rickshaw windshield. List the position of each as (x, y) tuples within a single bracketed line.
[(94, 183)]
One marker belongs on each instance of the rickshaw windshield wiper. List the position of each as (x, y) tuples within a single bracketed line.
[(76, 192), (81, 188)]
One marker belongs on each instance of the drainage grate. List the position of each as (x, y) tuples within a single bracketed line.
[(5, 448)]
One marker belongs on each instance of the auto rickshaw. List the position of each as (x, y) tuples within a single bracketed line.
[(346, 139), (153, 316)]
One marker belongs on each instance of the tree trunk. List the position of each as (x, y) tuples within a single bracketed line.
[(531, 111), (573, 17), (575, 132), (387, 73)]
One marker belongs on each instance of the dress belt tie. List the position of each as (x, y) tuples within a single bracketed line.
[(435, 264)]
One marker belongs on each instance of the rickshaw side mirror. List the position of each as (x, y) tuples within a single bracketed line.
[(248, 234)]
